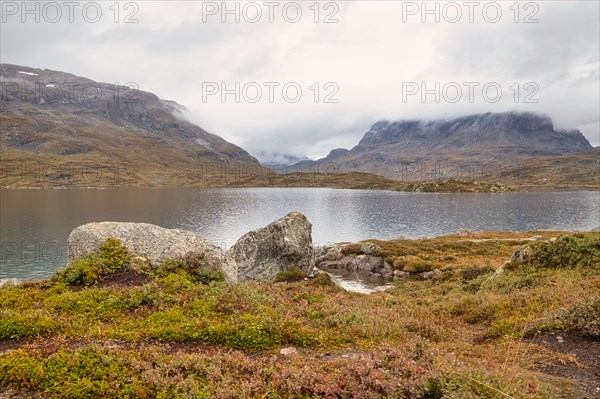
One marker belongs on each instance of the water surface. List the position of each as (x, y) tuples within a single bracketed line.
[(35, 224)]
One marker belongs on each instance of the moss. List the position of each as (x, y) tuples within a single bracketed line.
[(77, 374), (418, 266), (323, 280), (193, 266), (14, 325), (352, 249), (473, 271), (291, 276), (91, 269)]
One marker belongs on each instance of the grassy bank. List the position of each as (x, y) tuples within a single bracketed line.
[(109, 326), (566, 172), (370, 181)]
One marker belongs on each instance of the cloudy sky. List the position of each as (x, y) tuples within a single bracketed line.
[(310, 76)]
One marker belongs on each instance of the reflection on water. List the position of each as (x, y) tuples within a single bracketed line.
[(359, 282), (36, 223)]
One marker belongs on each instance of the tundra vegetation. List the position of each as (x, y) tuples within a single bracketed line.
[(110, 326)]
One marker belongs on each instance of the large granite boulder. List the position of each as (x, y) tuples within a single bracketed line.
[(285, 244), (149, 241), (258, 255)]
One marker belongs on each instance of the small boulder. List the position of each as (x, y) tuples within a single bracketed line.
[(288, 351), (328, 253), (400, 273), (283, 245), (343, 264), (464, 232), (368, 248), (9, 282), (431, 274), (494, 276), (520, 255), (388, 268)]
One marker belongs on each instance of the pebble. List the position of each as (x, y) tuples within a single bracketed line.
[(288, 351)]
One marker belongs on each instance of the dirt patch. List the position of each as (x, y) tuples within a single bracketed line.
[(51, 345), (121, 278), (125, 278), (7, 393), (585, 369), (7, 344), (295, 279)]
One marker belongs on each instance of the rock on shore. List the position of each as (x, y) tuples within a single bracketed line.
[(282, 245), (152, 242), (260, 254)]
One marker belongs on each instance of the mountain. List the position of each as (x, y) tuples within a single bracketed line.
[(279, 161), (61, 129), (391, 148), (58, 129)]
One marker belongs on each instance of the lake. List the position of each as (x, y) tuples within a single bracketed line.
[(35, 224)]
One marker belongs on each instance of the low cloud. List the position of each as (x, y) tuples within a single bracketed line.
[(364, 64)]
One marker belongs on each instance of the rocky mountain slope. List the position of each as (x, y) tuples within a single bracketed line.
[(61, 129), (402, 148)]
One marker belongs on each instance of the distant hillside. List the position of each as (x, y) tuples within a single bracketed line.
[(61, 129), (579, 170), (395, 149)]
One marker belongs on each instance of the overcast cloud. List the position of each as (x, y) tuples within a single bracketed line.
[(373, 55)]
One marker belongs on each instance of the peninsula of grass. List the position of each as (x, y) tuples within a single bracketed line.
[(108, 326)]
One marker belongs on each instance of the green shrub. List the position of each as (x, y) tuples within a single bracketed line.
[(193, 266), (584, 317), (72, 374), (92, 268), (114, 254), (323, 279), (15, 325), (418, 267), (207, 275), (472, 272), (472, 277), (580, 250), (146, 295), (352, 249)]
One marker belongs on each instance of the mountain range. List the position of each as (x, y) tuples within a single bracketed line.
[(393, 149), (58, 129)]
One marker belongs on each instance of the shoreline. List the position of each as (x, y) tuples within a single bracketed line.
[(516, 189), (462, 235)]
